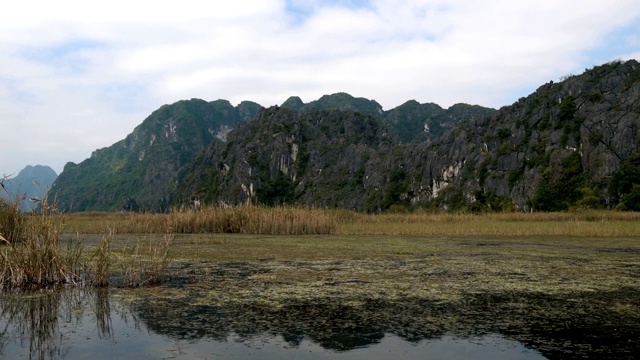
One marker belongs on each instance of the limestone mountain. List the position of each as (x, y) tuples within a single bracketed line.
[(569, 144), (407, 123), (141, 171), (413, 122), (32, 182), (146, 170), (573, 143)]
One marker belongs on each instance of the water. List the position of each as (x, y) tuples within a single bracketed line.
[(98, 324)]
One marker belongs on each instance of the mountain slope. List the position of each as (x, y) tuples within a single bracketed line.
[(561, 146), (569, 144), (140, 171)]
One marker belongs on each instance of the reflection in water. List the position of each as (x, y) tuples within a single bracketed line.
[(45, 324), (82, 323)]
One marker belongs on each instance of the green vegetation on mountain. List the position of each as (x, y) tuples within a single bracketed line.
[(413, 122), (410, 122), (141, 172)]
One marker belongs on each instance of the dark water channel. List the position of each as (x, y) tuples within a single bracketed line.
[(112, 324)]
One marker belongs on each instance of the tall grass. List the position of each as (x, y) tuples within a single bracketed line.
[(300, 221), (145, 262), (574, 224), (36, 258), (255, 220), (241, 219)]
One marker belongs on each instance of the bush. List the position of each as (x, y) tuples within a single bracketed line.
[(631, 201)]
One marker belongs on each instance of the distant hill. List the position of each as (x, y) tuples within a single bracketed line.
[(30, 183)]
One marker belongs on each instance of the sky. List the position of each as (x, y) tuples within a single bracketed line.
[(78, 75)]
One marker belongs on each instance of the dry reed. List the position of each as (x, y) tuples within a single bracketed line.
[(145, 262), (241, 219), (35, 258), (12, 221), (298, 221)]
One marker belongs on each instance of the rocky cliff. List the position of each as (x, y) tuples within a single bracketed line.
[(573, 143), (152, 168), (316, 157)]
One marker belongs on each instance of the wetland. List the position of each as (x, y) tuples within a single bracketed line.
[(347, 295)]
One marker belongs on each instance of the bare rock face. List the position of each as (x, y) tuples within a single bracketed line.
[(314, 157)]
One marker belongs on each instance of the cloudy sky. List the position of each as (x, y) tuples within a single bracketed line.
[(78, 75)]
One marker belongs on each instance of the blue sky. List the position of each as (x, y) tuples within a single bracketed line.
[(76, 76)]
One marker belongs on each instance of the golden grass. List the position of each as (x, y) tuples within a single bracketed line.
[(35, 257), (571, 224), (12, 221), (298, 221), (242, 219)]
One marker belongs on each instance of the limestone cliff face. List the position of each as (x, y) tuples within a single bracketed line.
[(559, 147), (544, 151), (283, 156)]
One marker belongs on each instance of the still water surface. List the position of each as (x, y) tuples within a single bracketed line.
[(78, 324)]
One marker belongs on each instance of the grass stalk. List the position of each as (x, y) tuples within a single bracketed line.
[(145, 262)]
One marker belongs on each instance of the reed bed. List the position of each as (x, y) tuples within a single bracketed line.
[(11, 221), (572, 224), (497, 228), (241, 219), (300, 221), (423, 217), (36, 258)]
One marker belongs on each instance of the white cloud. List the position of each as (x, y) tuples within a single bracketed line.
[(77, 76)]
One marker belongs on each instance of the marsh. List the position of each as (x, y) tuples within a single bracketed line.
[(350, 296)]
